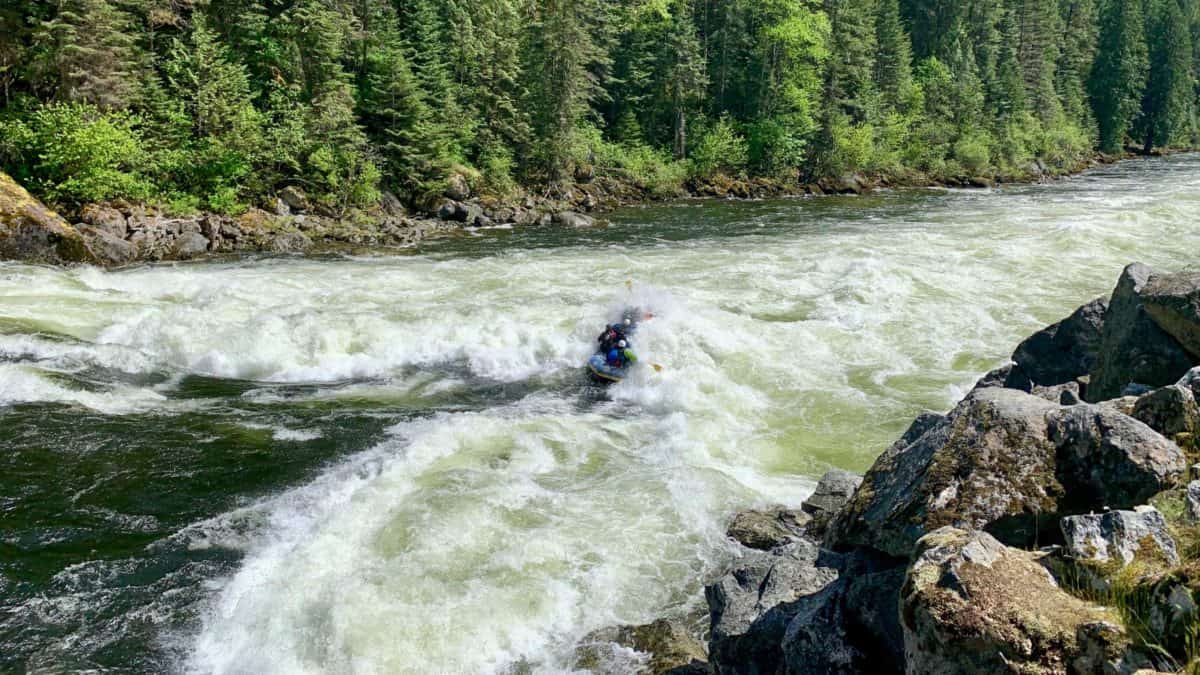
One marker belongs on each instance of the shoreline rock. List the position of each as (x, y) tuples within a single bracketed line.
[(931, 564)]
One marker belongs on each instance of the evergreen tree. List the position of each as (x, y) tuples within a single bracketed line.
[(893, 57), (1119, 73), (86, 54), (1169, 101), (684, 73)]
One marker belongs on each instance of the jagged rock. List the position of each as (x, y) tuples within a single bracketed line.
[(670, 646), (280, 208), (106, 219), (572, 219), (294, 198), (391, 205), (1070, 397), (109, 249), (1066, 350), (765, 530), (1008, 376), (832, 492), (1173, 301), (972, 605), (31, 232), (1169, 411), (290, 242), (1007, 462), (750, 607), (190, 245), (1119, 537), (853, 624), (1110, 460), (990, 463), (457, 188), (1133, 347)]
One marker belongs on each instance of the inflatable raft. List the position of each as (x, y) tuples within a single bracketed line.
[(600, 371)]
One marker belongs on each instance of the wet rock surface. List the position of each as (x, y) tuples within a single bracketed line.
[(765, 530), (32, 232)]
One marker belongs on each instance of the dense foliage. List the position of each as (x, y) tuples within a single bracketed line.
[(217, 103)]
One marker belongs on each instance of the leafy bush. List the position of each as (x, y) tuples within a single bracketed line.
[(75, 153), (722, 149), (973, 153)]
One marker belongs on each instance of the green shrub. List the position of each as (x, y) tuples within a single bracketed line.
[(76, 153), (721, 149), (972, 153)]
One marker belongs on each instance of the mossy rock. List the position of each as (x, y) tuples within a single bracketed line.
[(31, 232)]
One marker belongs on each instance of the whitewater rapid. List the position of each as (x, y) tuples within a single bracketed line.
[(509, 510)]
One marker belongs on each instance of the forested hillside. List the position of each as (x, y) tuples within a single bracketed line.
[(213, 104)]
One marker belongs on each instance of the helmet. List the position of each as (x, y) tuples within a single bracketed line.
[(622, 344), (628, 322)]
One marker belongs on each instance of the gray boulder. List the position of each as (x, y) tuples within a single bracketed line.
[(1007, 462), (294, 198), (1173, 301), (1191, 380), (1110, 460), (990, 463), (1169, 411), (1066, 350), (1119, 537), (853, 624), (572, 219), (109, 249), (669, 645), (31, 232), (106, 219), (290, 242), (832, 492), (1133, 347), (765, 530), (190, 245), (457, 188), (751, 606), (972, 605)]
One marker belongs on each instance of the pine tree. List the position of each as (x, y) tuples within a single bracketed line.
[(1118, 76), (86, 53), (684, 72), (1038, 53), (567, 55), (893, 57), (1169, 100)]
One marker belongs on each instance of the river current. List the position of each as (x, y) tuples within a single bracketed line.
[(391, 464)]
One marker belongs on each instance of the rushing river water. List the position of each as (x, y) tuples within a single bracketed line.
[(393, 465)]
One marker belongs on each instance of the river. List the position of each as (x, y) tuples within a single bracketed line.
[(391, 464)]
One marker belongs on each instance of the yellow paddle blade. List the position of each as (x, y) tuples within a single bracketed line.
[(629, 284), (657, 367)]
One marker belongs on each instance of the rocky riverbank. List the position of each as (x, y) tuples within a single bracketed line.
[(120, 233), (1044, 525)]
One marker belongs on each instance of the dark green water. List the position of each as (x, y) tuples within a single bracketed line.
[(392, 464)]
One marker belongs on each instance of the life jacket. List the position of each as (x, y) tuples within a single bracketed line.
[(615, 358)]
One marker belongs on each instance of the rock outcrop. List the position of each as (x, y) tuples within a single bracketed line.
[(669, 648), (973, 605), (1133, 347), (751, 606), (1110, 460), (765, 530), (1170, 411), (1173, 301), (832, 492), (990, 463), (1065, 351), (31, 232)]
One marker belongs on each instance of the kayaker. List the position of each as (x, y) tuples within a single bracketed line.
[(610, 337)]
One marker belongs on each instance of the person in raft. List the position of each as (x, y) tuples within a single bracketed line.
[(621, 356), (612, 335)]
